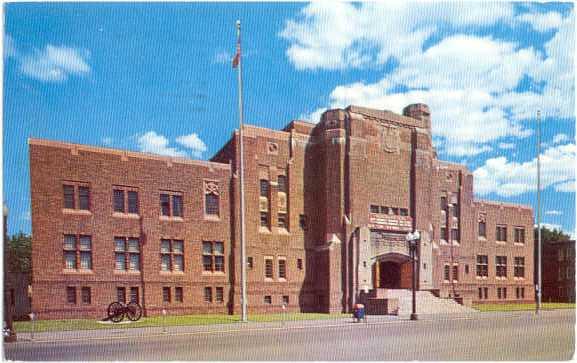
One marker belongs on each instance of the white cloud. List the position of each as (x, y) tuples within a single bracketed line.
[(339, 35), (509, 178), (55, 63), (223, 57), (9, 46), (560, 138), (194, 143), (542, 21), (568, 186), (472, 94), (506, 145), (151, 142), (551, 226), (554, 213), (108, 141)]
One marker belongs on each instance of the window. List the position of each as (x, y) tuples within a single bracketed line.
[(520, 292), (166, 294), (404, 212), (71, 295), (69, 197), (171, 204), (282, 220), (501, 234), (447, 275), (282, 269), (86, 295), (69, 251), (125, 200), (482, 229), (443, 203), (165, 204), (486, 292), (480, 293), (455, 272), (519, 267), (395, 211), (208, 294), (560, 254), (264, 187), (83, 198), (482, 265), (501, 264), (466, 269), (134, 295), (384, 210), (300, 263), (178, 295), (519, 235), (374, 208), (454, 234), (211, 204), (118, 200), (303, 221), (171, 255), (282, 184), (76, 195), (249, 263), (177, 205), (121, 294), (132, 201), (127, 254), (219, 294), (213, 256), (499, 294), (268, 300), (268, 272), (285, 300), (456, 210), (74, 252), (263, 219), (443, 235), (504, 293)]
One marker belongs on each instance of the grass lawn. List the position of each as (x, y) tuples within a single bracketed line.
[(88, 324), (522, 307)]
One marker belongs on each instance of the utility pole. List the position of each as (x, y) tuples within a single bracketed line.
[(539, 288), (237, 63)]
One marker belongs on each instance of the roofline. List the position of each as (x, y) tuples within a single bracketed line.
[(125, 153), (508, 205)]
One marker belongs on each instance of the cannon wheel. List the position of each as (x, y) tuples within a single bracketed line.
[(116, 311), (133, 311)]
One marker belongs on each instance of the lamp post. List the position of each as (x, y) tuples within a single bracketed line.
[(412, 240)]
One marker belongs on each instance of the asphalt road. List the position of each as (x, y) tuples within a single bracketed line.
[(549, 336)]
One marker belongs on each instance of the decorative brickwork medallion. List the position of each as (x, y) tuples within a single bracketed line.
[(211, 187), (390, 138), (272, 148)]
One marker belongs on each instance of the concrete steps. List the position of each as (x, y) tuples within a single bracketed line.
[(427, 303)]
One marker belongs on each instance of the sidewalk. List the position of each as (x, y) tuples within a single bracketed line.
[(125, 333)]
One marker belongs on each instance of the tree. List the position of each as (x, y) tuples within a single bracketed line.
[(19, 253), (551, 235)]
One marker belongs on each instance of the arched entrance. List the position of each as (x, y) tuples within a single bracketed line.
[(392, 271)]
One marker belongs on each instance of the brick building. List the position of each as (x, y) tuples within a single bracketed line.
[(558, 268), (328, 206)]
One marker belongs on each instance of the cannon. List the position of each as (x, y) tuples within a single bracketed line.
[(117, 311)]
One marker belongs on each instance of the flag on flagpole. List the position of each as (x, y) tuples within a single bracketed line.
[(236, 58)]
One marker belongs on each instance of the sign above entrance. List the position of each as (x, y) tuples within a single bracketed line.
[(390, 222)]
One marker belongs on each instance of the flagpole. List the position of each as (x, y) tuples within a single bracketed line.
[(242, 231), (539, 292)]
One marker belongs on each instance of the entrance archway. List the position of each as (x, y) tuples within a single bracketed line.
[(392, 271)]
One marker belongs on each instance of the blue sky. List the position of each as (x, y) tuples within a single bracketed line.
[(157, 78)]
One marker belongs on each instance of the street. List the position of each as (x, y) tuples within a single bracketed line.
[(483, 336)]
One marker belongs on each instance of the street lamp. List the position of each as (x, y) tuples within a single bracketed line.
[(412, 241)]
